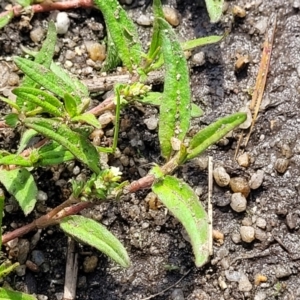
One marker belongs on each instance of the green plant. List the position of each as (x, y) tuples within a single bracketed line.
[(52, 104)]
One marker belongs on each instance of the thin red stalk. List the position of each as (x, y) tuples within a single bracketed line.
[(46, 220), (49, 6)]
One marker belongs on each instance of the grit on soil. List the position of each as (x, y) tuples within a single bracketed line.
[(266, 268)]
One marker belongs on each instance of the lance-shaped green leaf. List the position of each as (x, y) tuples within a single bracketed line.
[(76, 143), (182, 201), (155, 98), (12, 119), (123, 32), (11, 103), (81, 90), (25, 139), (96, 235), (214, 8), (191, 44), (4, 20), (21, 185), (46, 101), (53, 154), (70, 105), (13, 295), (7, 267), (43, 57), (175, 108), (112, 59), (2, 198), (87, 118), (15, 159), (213, 133), (46, 78)]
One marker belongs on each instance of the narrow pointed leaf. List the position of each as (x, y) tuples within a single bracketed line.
[(70, 105), (43, 57), (112, 59), (96, 235), (72, 81), (53, 154), (15, 159), (25, 139), (11, 119), (45, 77), (213, 133), (123, 32), (175, 112), (2, 198), (196, 111), (214, 8), (47, 102), (11, 103), (21, 185), (191, 44), (76, 143), (7, 267), (4, 20), (87, 118), (182, 201), (13, 295)]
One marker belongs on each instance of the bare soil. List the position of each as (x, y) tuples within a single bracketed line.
[(155, 241)]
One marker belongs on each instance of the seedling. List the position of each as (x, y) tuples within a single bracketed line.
[(52, 104)]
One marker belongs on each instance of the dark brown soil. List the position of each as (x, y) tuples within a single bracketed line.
[(155, 241)]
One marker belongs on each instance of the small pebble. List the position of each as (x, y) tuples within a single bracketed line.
[(259, 278), (261, 223), (37, 34), (12, 243), (144, 20), (260, 295), (281, 165), (291, 220), (13, 79), (218, 236), (38, 257), (24, 248), (262, 25), (286, 151), (90, 264), (20, 270), (151, 122), (96, 51), (238, 11), (221, 176), (236, 238), (177, 294), (32, 266), (260, 235), (232, 276), (282, 271), (248, 121), (68, 64), (62, 23), (247, 221), (176, 143), (76, 170), (42, 196), (42, 297), (239, 185), (247, 233), (171, 15), (244, 284), (256, 179), (241, 63), (238, 202), (70, 54), (222, 283), (199, 58), (244, 160), (106, 118)]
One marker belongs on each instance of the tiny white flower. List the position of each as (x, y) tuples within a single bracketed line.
[(115, 171)]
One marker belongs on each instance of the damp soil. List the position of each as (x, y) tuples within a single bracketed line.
[(266, 268)]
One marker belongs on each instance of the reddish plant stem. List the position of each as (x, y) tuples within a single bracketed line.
[(49, 6), (52, 218)]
